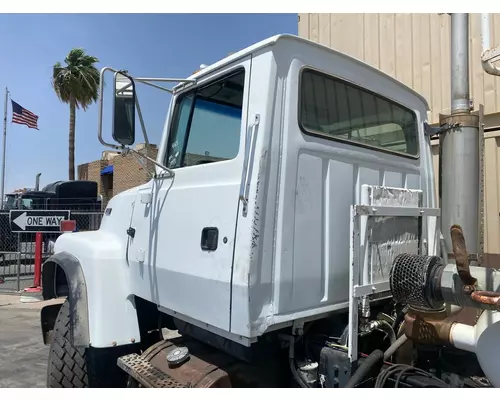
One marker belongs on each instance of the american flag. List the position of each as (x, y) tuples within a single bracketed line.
[(24, 117)]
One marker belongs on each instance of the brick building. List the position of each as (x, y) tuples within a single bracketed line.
[(115, 173)]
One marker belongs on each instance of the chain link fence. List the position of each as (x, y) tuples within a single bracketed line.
[(17, 250)]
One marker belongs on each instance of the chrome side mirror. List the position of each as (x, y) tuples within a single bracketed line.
[(124, 109)]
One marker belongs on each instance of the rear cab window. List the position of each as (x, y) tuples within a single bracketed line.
[(337, 110)]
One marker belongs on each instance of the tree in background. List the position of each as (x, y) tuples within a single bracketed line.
[(76, 84)]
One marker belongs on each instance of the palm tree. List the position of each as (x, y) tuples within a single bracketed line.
[(76, 84)]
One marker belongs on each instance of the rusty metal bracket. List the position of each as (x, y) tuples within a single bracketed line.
[(462, 258)]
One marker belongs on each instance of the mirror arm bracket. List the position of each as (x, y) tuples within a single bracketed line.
[(126, 150), (123, 147)]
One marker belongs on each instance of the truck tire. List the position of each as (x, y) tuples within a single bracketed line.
[(67, 366)]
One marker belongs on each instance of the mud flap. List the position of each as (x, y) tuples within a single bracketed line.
[(48, 317)]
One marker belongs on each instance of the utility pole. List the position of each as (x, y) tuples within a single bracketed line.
[(2, 187)]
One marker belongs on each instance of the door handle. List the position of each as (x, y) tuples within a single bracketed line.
[(209, 239), (248, 163)]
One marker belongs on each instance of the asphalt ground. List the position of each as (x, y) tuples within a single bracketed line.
[(23, 356)]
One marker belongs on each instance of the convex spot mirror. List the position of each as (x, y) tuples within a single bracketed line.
[(124, 110)]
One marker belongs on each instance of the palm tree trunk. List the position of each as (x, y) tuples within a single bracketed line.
[(71, 169)]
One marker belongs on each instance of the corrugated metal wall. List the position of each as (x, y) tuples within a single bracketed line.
[(413, 48), (492, 194)]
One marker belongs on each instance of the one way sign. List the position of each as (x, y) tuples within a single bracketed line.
[(37, 220)]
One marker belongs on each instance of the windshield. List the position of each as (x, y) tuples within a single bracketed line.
[(10, 201), (13, 202)]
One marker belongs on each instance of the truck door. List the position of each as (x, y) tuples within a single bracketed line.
[(181, 255)]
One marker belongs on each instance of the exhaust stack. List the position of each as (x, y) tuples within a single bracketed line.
[(460, 181), (37, 181)]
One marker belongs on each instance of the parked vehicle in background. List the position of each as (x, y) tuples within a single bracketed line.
[(81, 196)]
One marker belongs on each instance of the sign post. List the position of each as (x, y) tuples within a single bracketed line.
[(37, 220)]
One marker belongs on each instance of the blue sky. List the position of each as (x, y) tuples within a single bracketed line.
[(154, 45)]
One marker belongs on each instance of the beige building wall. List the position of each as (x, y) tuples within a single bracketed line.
[(415, 49)]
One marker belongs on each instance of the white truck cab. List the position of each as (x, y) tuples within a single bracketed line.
[(246, 227)]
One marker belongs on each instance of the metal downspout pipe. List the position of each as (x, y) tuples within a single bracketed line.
[(487, 52)]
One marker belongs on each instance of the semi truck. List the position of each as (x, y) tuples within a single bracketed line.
[(80, 196), (291, 237), (77, 195)]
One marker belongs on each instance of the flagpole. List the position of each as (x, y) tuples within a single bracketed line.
[(2, 188)]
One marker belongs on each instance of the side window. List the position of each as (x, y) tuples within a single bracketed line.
[(207, 123), (26, 204), (179, 130), (338, 110)]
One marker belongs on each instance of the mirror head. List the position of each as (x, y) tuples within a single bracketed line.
[(124, 109)]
